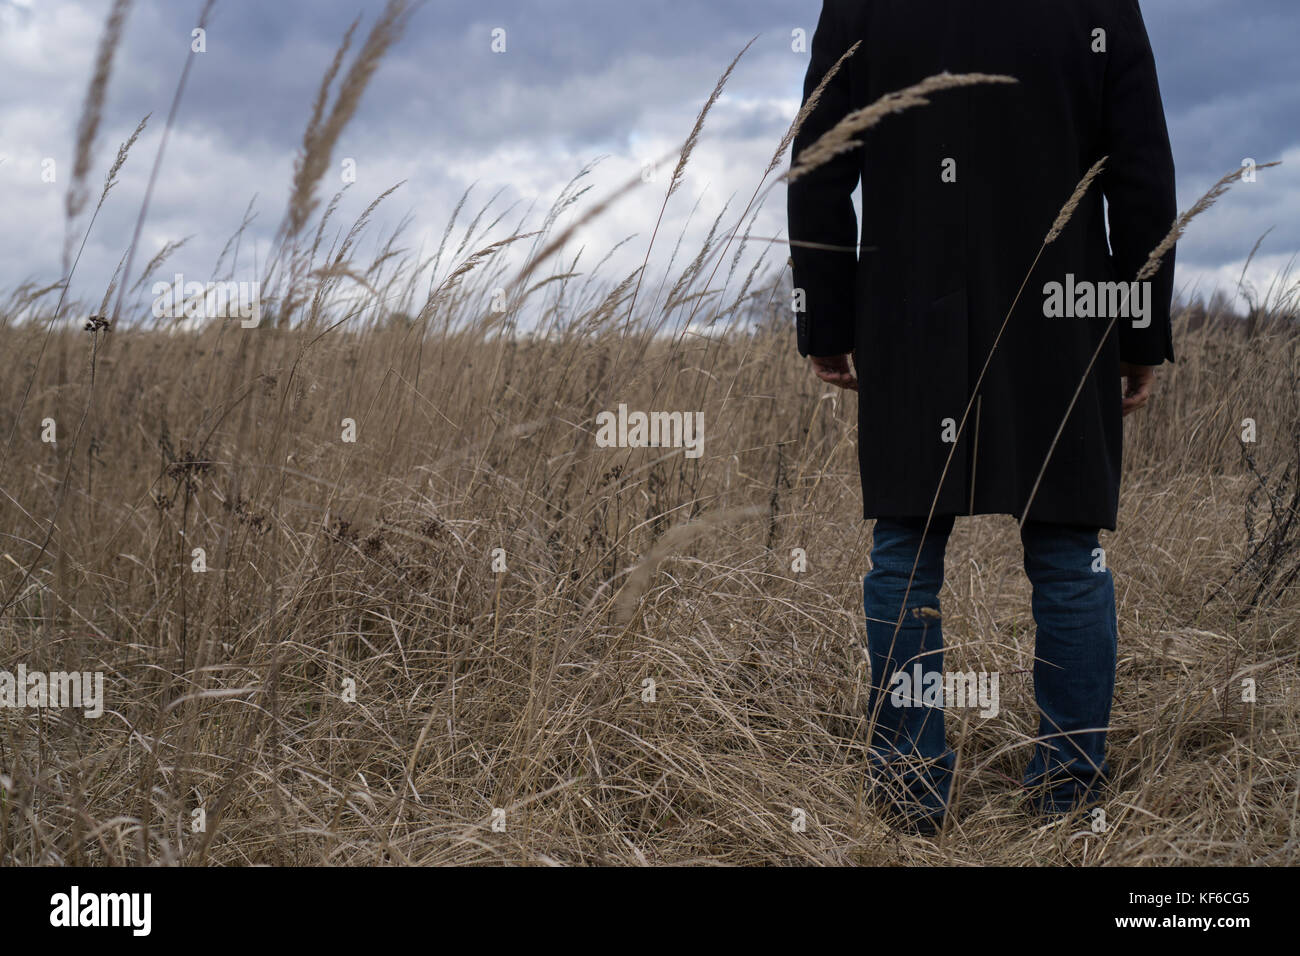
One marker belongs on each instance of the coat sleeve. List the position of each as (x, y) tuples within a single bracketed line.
[(1138, 181), (820, 205)]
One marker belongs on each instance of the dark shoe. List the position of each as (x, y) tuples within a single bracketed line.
[(896, 796), (1056, 803), (917, 821)]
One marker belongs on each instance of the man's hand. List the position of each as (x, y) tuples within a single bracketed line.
[(1138, 382), (835, 370)]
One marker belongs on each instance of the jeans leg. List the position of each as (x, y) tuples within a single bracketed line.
[(1074, 663), (908, 747)]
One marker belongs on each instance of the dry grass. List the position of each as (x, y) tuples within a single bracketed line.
[(332, 564), (522, 690)]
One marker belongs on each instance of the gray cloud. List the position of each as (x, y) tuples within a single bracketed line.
[(580, 79)]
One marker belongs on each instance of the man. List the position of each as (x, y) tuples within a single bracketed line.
[(988, 363)]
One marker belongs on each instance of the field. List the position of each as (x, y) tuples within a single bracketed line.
[(373, 561)]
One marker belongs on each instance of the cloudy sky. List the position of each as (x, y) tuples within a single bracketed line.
[(580, 80)]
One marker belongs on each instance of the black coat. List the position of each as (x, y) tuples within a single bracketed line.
[(941, 262)]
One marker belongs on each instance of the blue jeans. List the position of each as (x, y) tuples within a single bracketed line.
[(1074, 663)]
